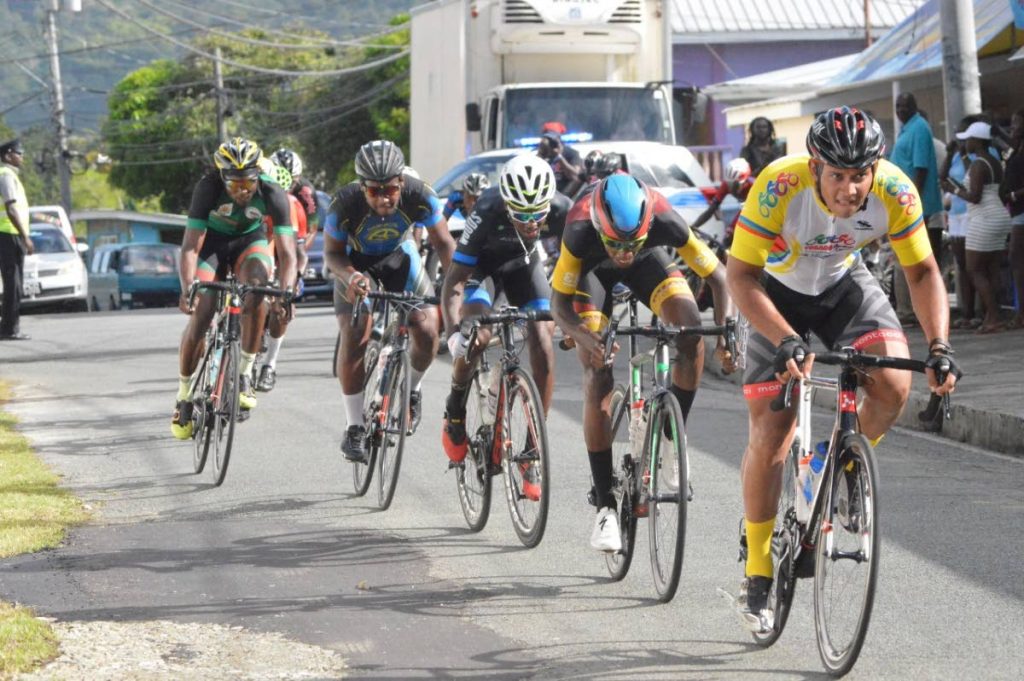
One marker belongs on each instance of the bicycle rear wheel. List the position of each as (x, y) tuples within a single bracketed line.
[(846, 560), (525, 458), (362, 473), (472, 477), (668, 481), (394, 413), (202, 424), (784, 539), (624, 476), (225, 411)]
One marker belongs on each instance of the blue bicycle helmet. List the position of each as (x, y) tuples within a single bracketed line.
[(622, 208)]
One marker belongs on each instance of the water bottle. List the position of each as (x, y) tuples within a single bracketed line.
[(493, 386), (818, 460), (637, 425), (804, 491), (215, 365)]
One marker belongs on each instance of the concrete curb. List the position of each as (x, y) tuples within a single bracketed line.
[(994, 431)]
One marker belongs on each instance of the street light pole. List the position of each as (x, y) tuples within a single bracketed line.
[(63, 155), (218, 77), (961, 80)]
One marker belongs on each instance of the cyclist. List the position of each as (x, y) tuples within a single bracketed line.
[(224, 233), (277, 324), (463, 201), (617, 233), (498, 253), (793, 269), (737, 181), (367, 236)]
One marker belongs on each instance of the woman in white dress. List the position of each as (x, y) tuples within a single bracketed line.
[(988, 222)]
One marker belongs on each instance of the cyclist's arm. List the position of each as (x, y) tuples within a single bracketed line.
[(708, 212), (563, 284), (441, 240), (702, 260), (744, 281), (451, 296)]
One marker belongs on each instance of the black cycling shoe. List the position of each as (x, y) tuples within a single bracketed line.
[(415, 410), (354, 444), (267, 380), (752, 604)]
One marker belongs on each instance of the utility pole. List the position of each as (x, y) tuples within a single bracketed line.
[(218, 77), (960, 74), (63, 155), (867, 23)]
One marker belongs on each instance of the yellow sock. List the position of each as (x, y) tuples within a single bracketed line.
[(759, 548), (184, 385), (874, 442)]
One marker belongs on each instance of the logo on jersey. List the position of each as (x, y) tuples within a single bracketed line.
[(224, 209), (382, 233), (903, 192), (863, 225), (825, 245), (472, 222), (774, 190), (253, 213)]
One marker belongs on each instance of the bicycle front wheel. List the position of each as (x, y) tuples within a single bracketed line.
[(525, 458), (784, 541), (668, 484), (202, 423), (472, 476), (394, 415), (225, 411), (846, 560), (624, 481), (362, 472)]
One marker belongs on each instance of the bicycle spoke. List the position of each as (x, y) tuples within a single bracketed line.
[(471, 477), (667, 477), (625, 478), (526, 459), (394, 417)]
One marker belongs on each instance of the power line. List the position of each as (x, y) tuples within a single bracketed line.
[(26, 100), (258, 69), (90, 48), (262, 10)]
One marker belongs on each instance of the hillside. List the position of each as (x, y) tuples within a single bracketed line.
[(99, 47)]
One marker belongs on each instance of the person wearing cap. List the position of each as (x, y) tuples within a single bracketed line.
[(988, 223), (15, 242), (565, 161)]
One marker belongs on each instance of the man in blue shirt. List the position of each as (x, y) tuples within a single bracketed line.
[(914, 154)]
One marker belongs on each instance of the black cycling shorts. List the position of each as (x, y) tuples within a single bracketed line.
[(222, 253), (520, 281), (400, 270)]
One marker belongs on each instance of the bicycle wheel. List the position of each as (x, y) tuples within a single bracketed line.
[(334, 359), (624, 476), (784, 538), (394, 415), (846, 560), (525, 458), (472, 477), (362, 473), (202, 424), (668, 482), (225, 411)]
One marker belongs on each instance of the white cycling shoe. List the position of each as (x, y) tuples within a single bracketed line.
[(606, 536)]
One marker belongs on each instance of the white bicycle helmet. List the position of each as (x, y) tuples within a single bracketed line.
[(737, 170), (527, 183)]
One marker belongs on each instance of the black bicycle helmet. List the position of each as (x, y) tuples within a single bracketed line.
[(845, 137), (379, 161), (608, 164), (238, 156), (288, 159), (590, 161), (475, 183)]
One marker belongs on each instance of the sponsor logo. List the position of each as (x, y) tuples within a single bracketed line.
[(472, 222), (570, 279), (381, 233), (225, 209), (862, 225), (253, 213), (847, 402), (774, 190), (825, 245), (904, 193)]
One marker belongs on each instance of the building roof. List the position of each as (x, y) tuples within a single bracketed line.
[(780, 83), (724, 21), (169, 219)]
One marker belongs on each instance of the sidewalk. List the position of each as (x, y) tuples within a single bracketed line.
[(988, 405)]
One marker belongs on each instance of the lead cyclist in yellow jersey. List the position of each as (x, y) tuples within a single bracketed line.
[(794, 269)]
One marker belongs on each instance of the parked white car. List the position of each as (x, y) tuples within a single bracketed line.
[(55, 273)]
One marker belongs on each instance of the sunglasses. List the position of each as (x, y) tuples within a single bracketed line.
[(625, 246), (388, 190), (535, 216), (240, 183)]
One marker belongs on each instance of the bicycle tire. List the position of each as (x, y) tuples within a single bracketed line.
[(525, 447), (852, 506), (624, 476), (226, 412), (334, 360), (394, 426), (667, 501), (201, 423), (473, 477), (362, 472), (784, 540)]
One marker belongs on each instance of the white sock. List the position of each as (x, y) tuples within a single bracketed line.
[(184, 386), (354, 408), (248, 359), (415, 378), (273, 347)]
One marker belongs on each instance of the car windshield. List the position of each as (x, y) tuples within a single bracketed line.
[(49, 240), (659, 170), (488, 165), (586, 113), (154, 260)]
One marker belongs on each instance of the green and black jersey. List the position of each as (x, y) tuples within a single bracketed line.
[(212, 208)]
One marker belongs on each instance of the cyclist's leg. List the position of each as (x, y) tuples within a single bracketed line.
[(526, 286), (864, 319), (253, 266), (351, 368), (405, 272), (476, 300)]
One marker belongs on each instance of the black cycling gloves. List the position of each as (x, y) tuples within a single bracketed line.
[(791, 347)]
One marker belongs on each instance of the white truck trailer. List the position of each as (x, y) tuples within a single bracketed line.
[(487, 74)]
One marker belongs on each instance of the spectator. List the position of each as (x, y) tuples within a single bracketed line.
[(15, 241), (565, 161), (1012, 193), (988, 224), (914, 154), (762, 148), (952, 175)]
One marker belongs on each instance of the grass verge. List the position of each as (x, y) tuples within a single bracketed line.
[(35, 514)]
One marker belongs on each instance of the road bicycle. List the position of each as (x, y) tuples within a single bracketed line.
[(828, 522), (506, 432), (651, 465), (386, 390), (215, 383)]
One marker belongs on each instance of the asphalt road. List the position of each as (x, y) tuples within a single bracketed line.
[(283, 546)]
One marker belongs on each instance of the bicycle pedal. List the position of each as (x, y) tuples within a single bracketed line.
[(243, 415)]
